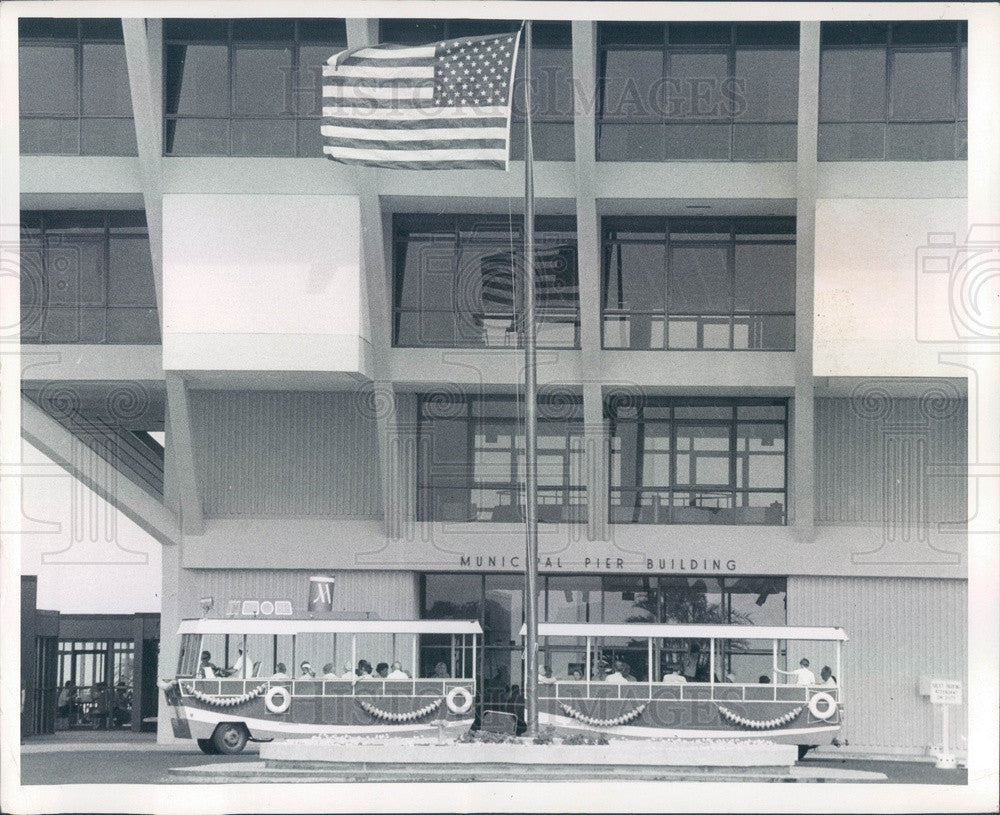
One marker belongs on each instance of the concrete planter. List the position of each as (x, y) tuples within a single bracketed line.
[(623, 753)]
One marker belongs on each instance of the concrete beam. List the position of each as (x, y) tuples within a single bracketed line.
[(70, 453), (143, 54), (180, 443)]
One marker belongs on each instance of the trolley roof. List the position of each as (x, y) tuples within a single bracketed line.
[(288, 627), (689, 631)]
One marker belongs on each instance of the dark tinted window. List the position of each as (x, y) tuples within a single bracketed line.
[(74, 90), (246, 87), (893, 91)]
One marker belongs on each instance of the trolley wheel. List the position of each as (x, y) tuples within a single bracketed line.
[(230, 738), (207, 746), (803, 749)]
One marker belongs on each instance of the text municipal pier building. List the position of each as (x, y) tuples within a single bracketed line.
[(284, 367)]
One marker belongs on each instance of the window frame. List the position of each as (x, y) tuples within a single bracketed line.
[(109, 221), (730, 243), (667, 50), (891, 48), (471, 415), (457, 224), (232, 44), (77, 43), (738, 494)]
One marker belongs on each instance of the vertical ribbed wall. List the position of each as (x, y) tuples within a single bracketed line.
[(285, 454), (899, 629), (875, 460)]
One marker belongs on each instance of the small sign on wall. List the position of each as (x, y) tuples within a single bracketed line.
[(321, 593), (946, 692)]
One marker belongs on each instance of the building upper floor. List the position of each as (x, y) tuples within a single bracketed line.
[(645, 91)]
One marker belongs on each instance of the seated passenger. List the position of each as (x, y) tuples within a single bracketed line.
[(617, 676), (328, 671), (364, 669), (802, 674), (348, 673), (280, 672), (672, 677), (545, 676), (827, 679), (397, 672), (441, 671), (381, 670), (207, 670), (599, 671), (575, 676), (306, 671), (242, 668)]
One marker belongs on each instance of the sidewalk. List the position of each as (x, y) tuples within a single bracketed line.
[(68, 741)]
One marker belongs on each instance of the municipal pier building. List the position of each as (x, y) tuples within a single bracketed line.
[(284, 367)]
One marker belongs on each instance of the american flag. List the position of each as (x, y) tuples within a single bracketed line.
[(441, 106)]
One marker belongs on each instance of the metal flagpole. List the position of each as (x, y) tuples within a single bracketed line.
[(530, 415)]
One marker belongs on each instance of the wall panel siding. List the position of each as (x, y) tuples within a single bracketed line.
[(285, 454), (899, 629), (877, 460)]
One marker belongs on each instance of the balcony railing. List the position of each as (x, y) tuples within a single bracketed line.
[(500, 503), (651, 505), (435, 328), (655, 331)]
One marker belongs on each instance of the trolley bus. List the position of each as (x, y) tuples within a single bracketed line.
[(297, 678), (648, 680)]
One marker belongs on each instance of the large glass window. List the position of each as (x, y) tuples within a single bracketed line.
[(87, 277), (893, 91), (551, 70), (471, 459), (711, 462), (246, 87), (498, 599), (697, 91), (457, 280), (74, 88), (686, 284)]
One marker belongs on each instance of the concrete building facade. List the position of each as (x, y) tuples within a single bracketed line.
[(744, 413)]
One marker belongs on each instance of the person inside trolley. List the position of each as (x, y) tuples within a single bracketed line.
[(802, 674), (207, 669)]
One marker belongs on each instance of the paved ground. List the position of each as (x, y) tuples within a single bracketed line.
[(127, 759)]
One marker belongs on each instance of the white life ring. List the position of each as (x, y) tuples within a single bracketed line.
[(828, 703), (272, 703), (456, 706)]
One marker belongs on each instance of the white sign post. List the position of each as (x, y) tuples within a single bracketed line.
[(945, 693)]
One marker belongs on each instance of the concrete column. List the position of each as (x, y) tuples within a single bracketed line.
[(802, 479), (587, 222), (596, 468), (169, 641), (138, 638)]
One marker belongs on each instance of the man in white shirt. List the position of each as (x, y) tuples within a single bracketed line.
[(242, 667), (397, 672), (617, 677), (280, 672), (802, 674), (328, 671), (674, 678), (545, 676), (348, 673)]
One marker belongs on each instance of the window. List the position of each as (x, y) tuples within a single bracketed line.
[(552, 72), (697, 91), (87, 277), (708, 462), (74, 89), (699, 283), (471, 459), (246, 87), (893, 91), (457, 281), (737, 600)]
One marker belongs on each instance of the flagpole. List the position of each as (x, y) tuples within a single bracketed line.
[(530, 415)]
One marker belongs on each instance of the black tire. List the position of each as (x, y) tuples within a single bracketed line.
[(230, 739), (207, 746), (803, 749)]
